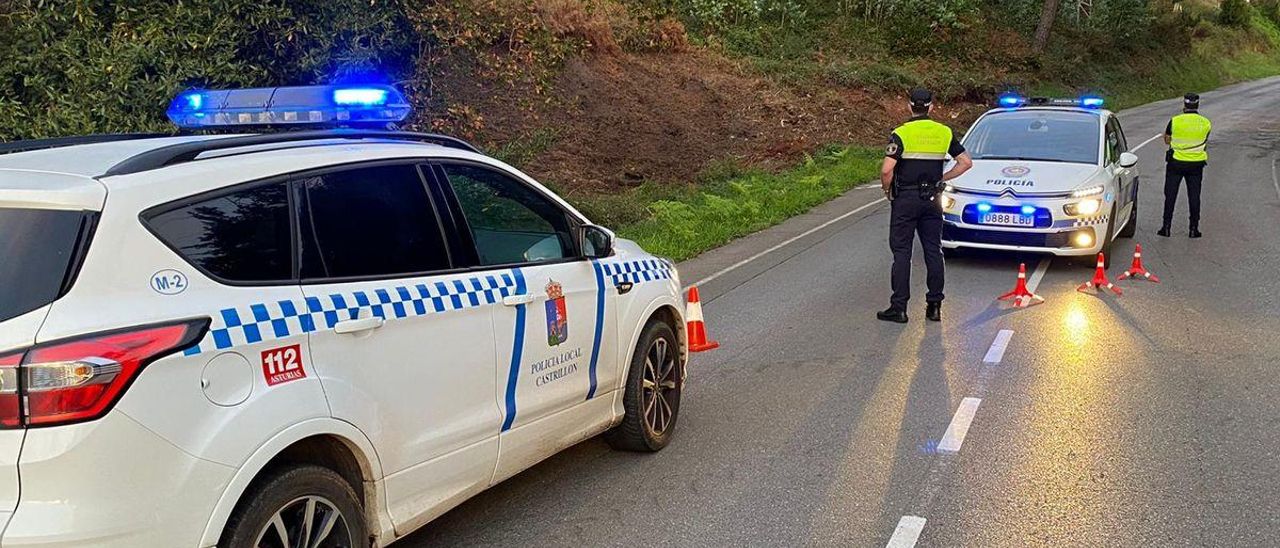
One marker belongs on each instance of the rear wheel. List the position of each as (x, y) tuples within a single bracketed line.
[(302, 506), (652, 398)]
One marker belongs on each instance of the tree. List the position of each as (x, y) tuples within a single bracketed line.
[(1047, 15)]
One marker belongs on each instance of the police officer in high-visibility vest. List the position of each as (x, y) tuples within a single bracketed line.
[(1187, 136), (912, 176)]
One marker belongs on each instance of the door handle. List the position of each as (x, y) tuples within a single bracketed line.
[(517, 300), (356, 326), (624, 287)]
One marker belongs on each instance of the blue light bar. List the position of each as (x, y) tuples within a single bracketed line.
[(360, 96), (1011, 100), (1089, 101), (288, 106)]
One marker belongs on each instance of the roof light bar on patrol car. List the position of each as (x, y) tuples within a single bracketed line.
[(288, 106), (1011, 100)]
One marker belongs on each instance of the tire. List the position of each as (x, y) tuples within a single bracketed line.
[(1107, 243), (291, 492), (651, 414)]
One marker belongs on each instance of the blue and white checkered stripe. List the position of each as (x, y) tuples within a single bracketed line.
[(644, 270), (257, 322)]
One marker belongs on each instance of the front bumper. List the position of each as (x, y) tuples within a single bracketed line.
[(1054, 232)]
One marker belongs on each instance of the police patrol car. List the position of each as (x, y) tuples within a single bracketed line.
[(309, 338), (1049, 175)]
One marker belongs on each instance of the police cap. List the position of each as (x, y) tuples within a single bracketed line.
[(1191, 100), (921, 97)]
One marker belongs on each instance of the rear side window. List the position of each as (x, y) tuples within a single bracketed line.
[(238, 237), (37, 251), (370, 222)]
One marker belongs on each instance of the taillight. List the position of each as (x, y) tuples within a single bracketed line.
[(10, 417), (80, 379)]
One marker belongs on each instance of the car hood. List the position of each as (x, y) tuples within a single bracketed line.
[(1025, 178)]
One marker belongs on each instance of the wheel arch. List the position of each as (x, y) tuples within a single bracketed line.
[(327, 442), (665, 308)]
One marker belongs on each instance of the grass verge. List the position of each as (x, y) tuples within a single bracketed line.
[(730, 203)]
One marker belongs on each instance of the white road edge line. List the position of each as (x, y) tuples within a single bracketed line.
[(1034, 281), (907, 532), (1274, 180), (954, 437), (1144, 143), (783, 244), (998, 346)]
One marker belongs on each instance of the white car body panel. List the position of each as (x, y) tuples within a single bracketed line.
[(421, 401)]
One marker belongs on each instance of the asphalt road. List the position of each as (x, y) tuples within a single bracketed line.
[(1151, 419)]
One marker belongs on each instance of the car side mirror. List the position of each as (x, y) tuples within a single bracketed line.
[(1128, 159), (597, 241)]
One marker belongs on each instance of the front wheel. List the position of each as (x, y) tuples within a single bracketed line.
[(652, 398), (301, 506)]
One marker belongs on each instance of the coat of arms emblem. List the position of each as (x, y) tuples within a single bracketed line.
[(557, 314)]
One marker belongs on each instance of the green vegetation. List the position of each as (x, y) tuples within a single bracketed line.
[(71, 67), (721, 209), (94, 66)]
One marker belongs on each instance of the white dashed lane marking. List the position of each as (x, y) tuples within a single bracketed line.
[(907, 532), (996, 352), (1034, 281), (954, 437)]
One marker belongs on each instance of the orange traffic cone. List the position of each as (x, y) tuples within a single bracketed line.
[(1021, 295), (697, 329), (1100, 278), (1137, 269)]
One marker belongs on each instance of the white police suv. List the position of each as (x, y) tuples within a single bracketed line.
[(1049, 175), (317, 338)]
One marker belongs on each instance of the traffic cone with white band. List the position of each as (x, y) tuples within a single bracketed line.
[(1100, 278), (1021, 295), (1137, 268), (696, 328)]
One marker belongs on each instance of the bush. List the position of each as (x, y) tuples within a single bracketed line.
[(71, 67), (1234, 13)]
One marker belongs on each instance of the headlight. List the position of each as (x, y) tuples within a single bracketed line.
[(1083, 207), (947, 202), (1091, 191)]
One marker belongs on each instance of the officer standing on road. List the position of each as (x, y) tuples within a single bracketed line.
[(1187, 136), (912, 176)]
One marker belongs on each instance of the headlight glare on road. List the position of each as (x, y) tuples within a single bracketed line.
[(1083, 207)]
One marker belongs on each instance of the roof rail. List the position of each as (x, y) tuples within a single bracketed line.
[(189, 151), (28, 145)]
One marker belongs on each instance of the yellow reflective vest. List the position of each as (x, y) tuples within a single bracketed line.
[(924, 140), (1189, 133)]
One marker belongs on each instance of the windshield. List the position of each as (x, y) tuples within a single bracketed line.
[(1045, 135), (36, 251)]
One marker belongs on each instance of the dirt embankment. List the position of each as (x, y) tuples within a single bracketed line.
[(617, 119)]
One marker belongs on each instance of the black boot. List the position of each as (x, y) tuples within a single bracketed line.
[(1195, 232), (1164, 231), (933, 311), (892, 314)]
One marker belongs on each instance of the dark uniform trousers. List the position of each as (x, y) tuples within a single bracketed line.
[(910, 215), (1174, 173)]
